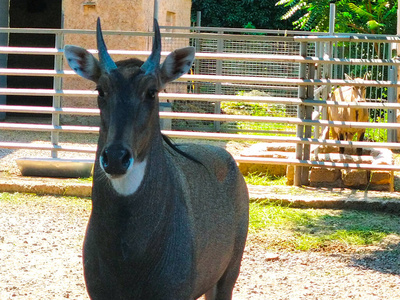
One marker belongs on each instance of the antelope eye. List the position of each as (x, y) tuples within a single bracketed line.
[(151, 93), (100, 91)]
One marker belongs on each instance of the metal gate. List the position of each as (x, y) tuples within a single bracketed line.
[(281, 75)]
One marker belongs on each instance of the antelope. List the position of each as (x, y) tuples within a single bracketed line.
[(168, 221), (348, 94)]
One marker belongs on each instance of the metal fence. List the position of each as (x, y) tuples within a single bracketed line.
[(283, 75)]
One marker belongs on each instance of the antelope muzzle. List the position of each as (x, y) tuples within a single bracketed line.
[(116, 160)]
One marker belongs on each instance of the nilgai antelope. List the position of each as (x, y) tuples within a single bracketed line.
[(348, 94), (168, 222)]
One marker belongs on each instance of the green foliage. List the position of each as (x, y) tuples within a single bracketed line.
[(361, 16), (254, 109), (257, 109), (86, 179), (240, 13), (249, 25)]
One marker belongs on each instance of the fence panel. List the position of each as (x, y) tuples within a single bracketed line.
[(238, 84)]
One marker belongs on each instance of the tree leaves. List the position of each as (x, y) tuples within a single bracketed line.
[(365, 16), (238, 13)]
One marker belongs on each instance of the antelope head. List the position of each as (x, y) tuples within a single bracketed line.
[(360, 90)]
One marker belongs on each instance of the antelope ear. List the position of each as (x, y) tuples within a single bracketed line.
[(176, 64), (82, 62), (347, 77)]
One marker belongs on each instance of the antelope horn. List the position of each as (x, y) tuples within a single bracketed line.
[(153, 61), (106, 62)]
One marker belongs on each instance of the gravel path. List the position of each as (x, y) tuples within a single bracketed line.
[(41, 241), (40, 258)]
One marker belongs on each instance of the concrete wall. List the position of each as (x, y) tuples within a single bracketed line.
[(126, 15)]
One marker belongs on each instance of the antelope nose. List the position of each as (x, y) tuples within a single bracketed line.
[(116, 160)]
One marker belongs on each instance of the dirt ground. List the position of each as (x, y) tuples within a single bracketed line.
[(40, 258), (41, 242)]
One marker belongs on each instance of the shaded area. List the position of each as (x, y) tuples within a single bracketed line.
[(384, 260), (32, 14)]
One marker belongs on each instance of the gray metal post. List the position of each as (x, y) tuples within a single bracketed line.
[(4, 22), (332, 17), (218, 86), (198, 18), (307, 129), (392, 98), (300, 114), (329, 54), (57, 83), (155, 11), (318, 70), (198, 49)]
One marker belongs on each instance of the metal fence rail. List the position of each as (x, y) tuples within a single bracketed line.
[(233, 66)]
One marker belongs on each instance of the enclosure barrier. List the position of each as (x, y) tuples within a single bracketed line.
[(308, 79)]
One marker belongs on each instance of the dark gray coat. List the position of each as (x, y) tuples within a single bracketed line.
[(167, 222)]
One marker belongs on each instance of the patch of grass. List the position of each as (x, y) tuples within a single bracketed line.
[(264, 179), (257, 109), (86, 179), (40, 200), (317, 230)]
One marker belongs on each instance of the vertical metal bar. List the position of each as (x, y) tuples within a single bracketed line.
[(332, 17), (369, 93), (307, 130), (4, 22), (328, 74), (378, 112), (318, 71), (198, 49), (361, 57), (198, 18), (300, 114), (155, 10), (392, 94), (326, 90), (343, 55), (397, 52), (218, 86), (57, 85), (335, 54)]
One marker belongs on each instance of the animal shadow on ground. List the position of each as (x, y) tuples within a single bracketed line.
[(385, 260)]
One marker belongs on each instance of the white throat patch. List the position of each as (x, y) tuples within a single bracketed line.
[(130, 182)]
